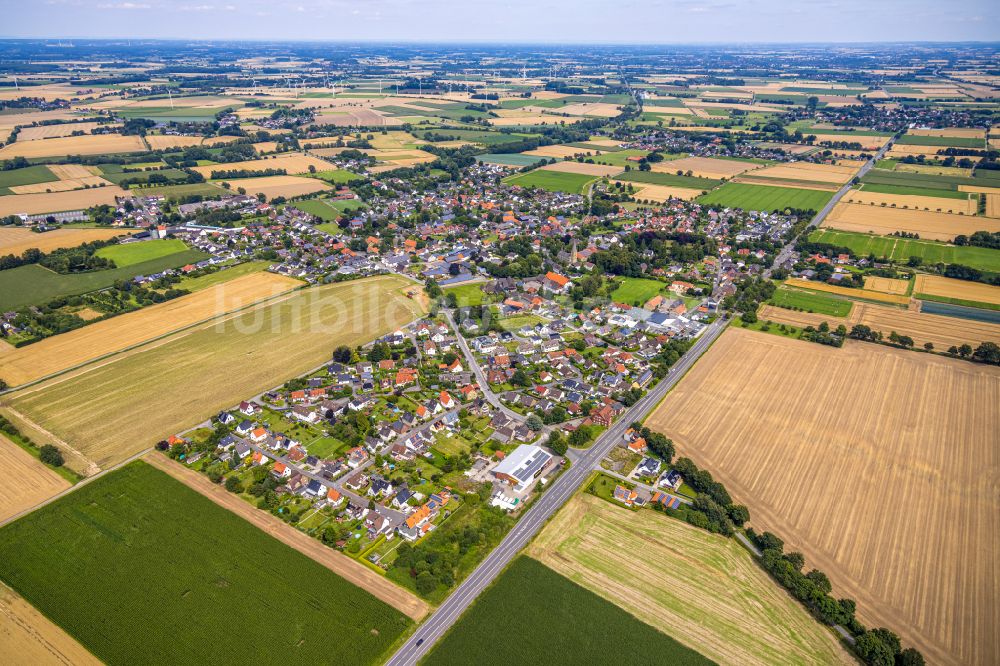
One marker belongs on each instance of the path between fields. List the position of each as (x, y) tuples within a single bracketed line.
[(352, 571)]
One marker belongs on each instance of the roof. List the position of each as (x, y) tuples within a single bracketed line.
[(560, 280), (524, 463)]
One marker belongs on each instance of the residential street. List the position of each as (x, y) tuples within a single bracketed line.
[(545, 506)]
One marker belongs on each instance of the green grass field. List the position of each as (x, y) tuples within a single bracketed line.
[(509, 159), (467, 294), (617, 158), (129, 254), (636, 291), (180, 191), (117, 177), (26, 176), (335, 176), (141, 569), (958, 142), (532, 615), (901, 249), (810, 301), (914, 191), (318, 207), (554, 181), (765, 197), (33, 284), (671, 179), (220, 276)]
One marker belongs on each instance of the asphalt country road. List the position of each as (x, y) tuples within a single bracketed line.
[(544, 508)]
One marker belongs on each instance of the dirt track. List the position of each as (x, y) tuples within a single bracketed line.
[(335, 561)]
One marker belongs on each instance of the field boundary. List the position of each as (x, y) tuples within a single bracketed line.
[(159, 338), (348, 569)]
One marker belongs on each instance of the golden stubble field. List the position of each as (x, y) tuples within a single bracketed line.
[(88, 144), (52, 355), (936, 285), (25, 480), (278, 186), (965, 206), (28, 638), (928, 224), (292, 163), (15, 240), (879, 465), (112, 409), (702, 589), (56, 202)]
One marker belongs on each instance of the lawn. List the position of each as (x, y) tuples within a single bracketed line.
[(517, 321), (554, 181), (636, 291), (671, 179), (33, 284), (141, 569), (467, 294), (765, 197), (532, 615), (319, 208), (810, 301), (901, 249), (129, 254)]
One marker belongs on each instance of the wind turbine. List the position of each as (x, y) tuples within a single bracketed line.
[(16, 87), (171, 98)]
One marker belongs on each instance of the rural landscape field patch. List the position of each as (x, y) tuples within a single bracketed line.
[(221, 575), (213, 368), (801, 432), (702, 589)]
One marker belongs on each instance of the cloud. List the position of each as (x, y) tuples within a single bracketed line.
[(123, 5)]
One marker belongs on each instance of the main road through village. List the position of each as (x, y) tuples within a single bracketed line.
[(570, 481), (551, 500)]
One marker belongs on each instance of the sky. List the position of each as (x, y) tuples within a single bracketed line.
[(527, 21)]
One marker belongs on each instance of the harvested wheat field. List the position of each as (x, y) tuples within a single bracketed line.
[(887, 285), (705, 167), (345, 567), (53, 131), (935, 285), (704, 590), (939, 330), (279, 186), (357, 117), (599, 170), (591, 109), (867, 142), (293, 163), (163, 141), (56, 202), (963, 132), (661, 193), (90, 144), (992, 205), (807, 171), (55, 354), (15, 240), (28, 638), (190, 378), (929, 225), (26, 481), (965, 206), (559, 152), (850, 292), (879, 465)]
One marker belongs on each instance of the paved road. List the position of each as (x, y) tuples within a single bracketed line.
[(544, 507), (786, 251), (484, 386)]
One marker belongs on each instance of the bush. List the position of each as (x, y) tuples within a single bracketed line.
[(50, 455), (233, 485)]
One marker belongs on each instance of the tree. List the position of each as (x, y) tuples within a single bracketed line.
[(426, 583), (50, 455), (557, 443), (987, 352), (910, 657), (738, 513), (965, 351), (534, 421), (342, 354), (233, 485)]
